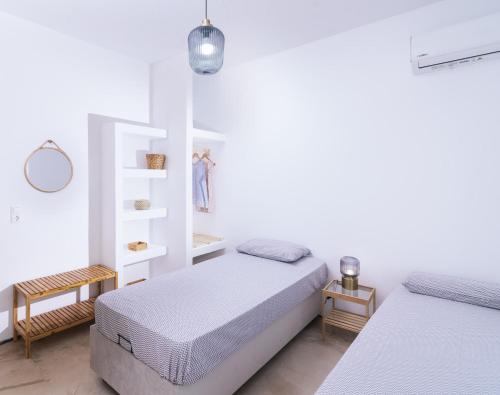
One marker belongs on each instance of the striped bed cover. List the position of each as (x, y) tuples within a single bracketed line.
[(183, 324), (418, 344)]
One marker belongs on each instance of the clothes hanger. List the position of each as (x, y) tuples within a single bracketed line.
[(206, 155)]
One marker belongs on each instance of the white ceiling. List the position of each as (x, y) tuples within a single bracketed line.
[(156, 29)]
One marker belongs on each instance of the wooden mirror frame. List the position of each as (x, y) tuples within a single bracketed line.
[(55, 148)]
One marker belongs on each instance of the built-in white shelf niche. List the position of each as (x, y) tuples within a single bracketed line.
[(200, 135), (135, 215), (153, 251), (208, 224), (209, 248), (126, 178), (143, 173)]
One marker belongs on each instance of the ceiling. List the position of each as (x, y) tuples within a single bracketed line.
[(151, 30)]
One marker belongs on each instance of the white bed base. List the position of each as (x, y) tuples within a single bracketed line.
[(127, 375)]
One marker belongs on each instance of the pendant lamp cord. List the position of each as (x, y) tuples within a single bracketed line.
[(206, 9)]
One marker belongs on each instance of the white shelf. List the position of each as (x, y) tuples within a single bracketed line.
[(207, 135), (132, 214), (153, 251), (208, 248), (144, 173), (125, 177), (141, 131)]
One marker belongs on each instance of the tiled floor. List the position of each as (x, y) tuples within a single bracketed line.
[(60, 366)]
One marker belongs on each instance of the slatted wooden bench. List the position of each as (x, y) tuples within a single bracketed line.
[(43, 325)]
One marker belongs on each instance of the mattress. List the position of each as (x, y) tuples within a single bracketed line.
[(183, 324), (418, 344)]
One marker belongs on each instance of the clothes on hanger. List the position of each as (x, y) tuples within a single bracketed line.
[(210, 167), (203, 191), (200, 187)]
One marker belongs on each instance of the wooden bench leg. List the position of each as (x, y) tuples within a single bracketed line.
[(323, 329), (27, 347), (14, 315), (27, 339)]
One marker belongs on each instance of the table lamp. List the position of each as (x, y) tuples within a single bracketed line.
[(349, 267)]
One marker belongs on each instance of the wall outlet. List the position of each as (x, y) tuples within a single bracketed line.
[(15, 214)]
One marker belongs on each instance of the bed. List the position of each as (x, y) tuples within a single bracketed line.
[(419, 344), (204, 329)]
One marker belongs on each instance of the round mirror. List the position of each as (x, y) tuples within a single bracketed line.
[(48, 169)]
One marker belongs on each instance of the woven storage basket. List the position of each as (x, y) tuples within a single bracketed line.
[(137, 246), (142, 204), (156, 161)]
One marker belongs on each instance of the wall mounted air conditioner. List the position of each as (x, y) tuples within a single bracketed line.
[(466, 43)]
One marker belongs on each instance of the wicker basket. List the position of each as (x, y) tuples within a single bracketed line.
[(137, 246), (142, 204), (156, 161)]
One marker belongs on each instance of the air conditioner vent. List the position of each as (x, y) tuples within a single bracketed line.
[(457, 45)]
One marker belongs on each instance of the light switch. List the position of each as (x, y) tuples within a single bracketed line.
[(15, 214)]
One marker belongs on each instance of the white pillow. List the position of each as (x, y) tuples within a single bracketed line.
[(277, 250), (480, 293)]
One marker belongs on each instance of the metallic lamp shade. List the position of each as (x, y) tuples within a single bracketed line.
[(206, 49)]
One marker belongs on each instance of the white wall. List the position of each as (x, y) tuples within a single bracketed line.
[(49, 84), (337, 145), (171, 98)]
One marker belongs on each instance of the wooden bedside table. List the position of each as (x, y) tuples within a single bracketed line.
[(341, 318)]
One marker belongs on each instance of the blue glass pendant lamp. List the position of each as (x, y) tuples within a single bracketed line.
[(206, 47)]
